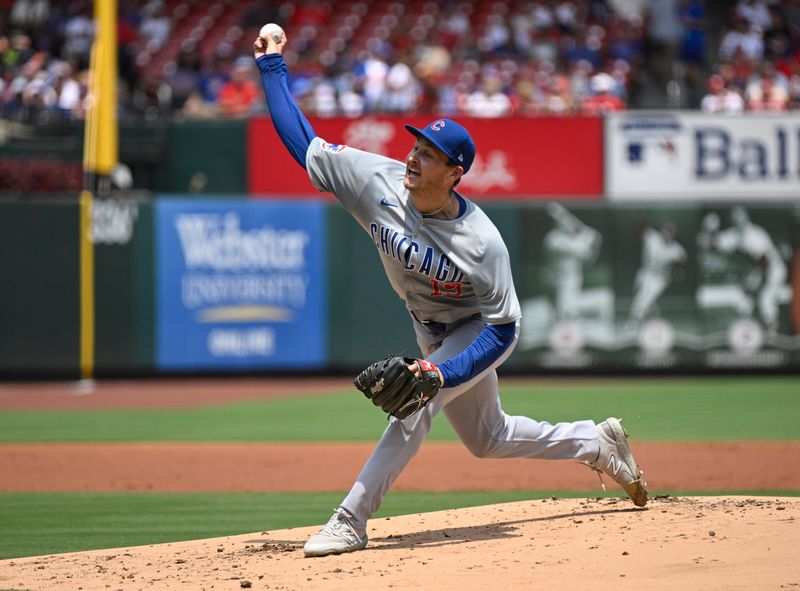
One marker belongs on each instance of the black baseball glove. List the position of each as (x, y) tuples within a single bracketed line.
[(392, 386)]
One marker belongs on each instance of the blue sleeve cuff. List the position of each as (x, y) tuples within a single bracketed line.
[(488, 347)]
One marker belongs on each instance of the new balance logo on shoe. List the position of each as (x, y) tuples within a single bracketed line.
[(616, 460), (614, 465), (339, 535)]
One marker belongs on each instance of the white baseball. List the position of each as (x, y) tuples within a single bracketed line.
[(271, 30)]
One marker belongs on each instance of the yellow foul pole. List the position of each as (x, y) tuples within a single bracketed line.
[(100, 154)]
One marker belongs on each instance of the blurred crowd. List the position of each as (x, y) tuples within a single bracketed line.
[(758, 61), (491, 58)]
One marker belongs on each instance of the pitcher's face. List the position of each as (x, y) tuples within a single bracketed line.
[(428, 169)]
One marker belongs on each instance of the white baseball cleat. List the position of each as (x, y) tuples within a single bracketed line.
[(616, 460), (338, 536)]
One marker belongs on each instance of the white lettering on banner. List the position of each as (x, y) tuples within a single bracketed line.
[(693, 155), (494, 171), (218, 242), (232, 342), (729, 359), (557, 360), (487, 172), (370, 135), (649, 361), (113, 220), (199, 290)]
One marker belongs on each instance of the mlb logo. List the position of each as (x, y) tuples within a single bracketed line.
[(635, 152), (333, 148)]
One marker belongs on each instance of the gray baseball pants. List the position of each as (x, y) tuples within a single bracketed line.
[(473, 409)]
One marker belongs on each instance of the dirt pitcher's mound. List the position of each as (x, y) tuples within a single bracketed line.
[(705, 543)]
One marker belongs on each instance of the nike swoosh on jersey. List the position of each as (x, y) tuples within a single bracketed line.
[(387, 203)]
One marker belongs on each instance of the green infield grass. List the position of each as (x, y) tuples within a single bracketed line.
[(654, 409), (35, 524)]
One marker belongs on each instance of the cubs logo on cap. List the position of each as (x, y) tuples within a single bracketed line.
[(451, 138)]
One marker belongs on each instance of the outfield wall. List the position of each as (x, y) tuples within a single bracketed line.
[(230, 285), (640, 241)]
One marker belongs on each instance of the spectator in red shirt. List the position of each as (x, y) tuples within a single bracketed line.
[(603, 100), (239, 96)]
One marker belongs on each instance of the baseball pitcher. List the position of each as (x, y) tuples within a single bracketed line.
[(448, 263)]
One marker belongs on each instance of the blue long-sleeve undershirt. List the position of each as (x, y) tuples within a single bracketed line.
[(296, 134), (292, 126), (487, 347)]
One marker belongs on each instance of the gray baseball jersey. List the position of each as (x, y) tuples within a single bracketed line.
[(444, 270)]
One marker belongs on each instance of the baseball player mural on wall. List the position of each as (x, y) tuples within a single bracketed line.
[(660, 253), (572, 246), (758, 284), (448, 263), (768, 274)]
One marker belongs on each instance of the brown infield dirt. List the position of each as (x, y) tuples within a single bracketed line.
[(673, 543)]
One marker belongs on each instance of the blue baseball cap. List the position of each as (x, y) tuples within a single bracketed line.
[(451, 138)]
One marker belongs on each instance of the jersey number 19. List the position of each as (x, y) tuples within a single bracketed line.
[(441, 289)]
